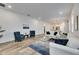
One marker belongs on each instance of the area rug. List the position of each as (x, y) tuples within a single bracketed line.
[(40, 48)]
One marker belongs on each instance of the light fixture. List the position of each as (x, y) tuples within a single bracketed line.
[(9, 6), (60, 12), (44, 25)]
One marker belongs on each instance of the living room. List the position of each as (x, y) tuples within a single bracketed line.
[(37, 26)]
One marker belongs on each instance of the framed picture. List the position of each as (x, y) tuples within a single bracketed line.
[(25, 26), (76, 23)]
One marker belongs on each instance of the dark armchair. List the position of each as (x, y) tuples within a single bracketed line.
[(32, 33), (18, 37)]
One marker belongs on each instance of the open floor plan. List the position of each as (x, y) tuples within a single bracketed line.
[(39, 28)]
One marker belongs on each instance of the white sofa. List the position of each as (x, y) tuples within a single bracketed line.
[(73, 41), (56, 49), (70, 49)]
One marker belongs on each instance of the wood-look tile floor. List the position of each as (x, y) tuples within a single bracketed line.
[(19, 48)]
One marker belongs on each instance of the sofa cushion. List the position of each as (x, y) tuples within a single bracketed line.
[(59, 41)]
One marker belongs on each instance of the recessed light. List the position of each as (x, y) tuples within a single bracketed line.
[(60, 12), (44, 24), (9, 6)]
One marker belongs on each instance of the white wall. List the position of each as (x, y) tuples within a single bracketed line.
[(73, 35), (76, 13), (12, 22)]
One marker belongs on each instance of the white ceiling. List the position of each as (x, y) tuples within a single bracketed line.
[(42, 11)]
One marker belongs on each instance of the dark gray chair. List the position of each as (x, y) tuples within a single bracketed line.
[(32, 33), (18, 37)]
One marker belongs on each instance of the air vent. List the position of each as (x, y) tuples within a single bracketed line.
[(2, 5), (28, 15)]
